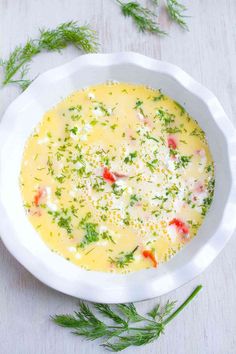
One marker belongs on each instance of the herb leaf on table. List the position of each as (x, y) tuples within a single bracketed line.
[(50, 40), (176, 13), (144, 18), (126, 326)]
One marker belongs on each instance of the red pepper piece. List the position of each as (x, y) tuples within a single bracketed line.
[(172, 144), (37, 197), (181, 226), (108, 176), (150, 255)]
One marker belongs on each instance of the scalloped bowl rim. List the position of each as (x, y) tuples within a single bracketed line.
[(61, 275)]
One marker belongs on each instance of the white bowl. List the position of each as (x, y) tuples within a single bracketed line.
[(25, 112)]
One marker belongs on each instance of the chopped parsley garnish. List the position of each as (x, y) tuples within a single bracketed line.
[(62, 219), (93, 122), (151, 166), (105, 235), (123, 259), (65, 223), (173, 130), (100, 106), (99, 184), (138, 104), (61, 178), (113, 127), (148, 136), (159, 97), (58, 192), (199, 133), (127, 218), (90, 229), (165, 117), (117, 190), (172, 191), (134, 199), (77, 108), (130, 158), (173, 153), (74, 130), (183, 161), (181, 108), (208, 200)]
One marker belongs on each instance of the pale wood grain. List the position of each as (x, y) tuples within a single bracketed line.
[(208, 53)]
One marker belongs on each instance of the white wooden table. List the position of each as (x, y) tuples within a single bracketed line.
[(208, 53)]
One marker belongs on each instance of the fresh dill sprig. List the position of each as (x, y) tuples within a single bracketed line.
[(176, 10), (82, 37), (126, 326), (145, 19), (124, 259)]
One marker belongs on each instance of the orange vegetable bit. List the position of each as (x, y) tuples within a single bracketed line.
[(151, 256), (37, 197)]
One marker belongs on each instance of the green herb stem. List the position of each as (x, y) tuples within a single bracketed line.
[(184, 304)]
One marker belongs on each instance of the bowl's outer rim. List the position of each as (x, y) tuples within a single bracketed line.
[(184, 80)]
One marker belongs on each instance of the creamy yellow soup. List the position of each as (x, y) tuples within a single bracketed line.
[(117, 178)]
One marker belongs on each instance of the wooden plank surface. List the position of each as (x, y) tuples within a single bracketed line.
[(208, 53)]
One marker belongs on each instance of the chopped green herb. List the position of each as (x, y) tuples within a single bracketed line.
[(126, 220), (124, 259), (198, 132), (183, 161), (158, 98), (138, 104), (181, 108), (165, 117), (130, 158), (134, 199), (113, 127), (148, 136), (58, 192), (90, 229), (65, 223), (117, 190), (105, 235)]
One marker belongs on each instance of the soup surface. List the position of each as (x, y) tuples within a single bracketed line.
[(117, 177)]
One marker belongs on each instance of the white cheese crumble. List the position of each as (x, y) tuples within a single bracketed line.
[(43, 140), (71, 249), (78, 255), (91, 96), (102, 228), (98, 112), (52, 206)]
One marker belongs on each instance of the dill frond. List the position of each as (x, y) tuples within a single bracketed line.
[(176, 13), (126, 326), (82, 37), (145, 19)]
